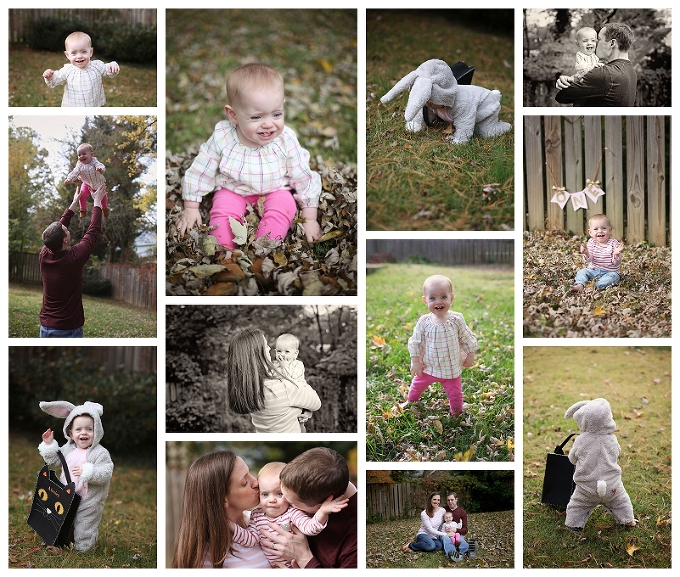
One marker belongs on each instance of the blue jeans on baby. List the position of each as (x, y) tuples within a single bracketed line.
[(604, 278), (48, 333), (449, 546), (424, 542)]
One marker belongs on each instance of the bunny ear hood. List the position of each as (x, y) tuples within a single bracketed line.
[(433, 81), (68, 411), (592, 416)]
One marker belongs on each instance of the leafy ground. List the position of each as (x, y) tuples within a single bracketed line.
[(638, 306), (421, 181), (136, 85), (316, 52), (425, 431), (494, 532), (637, 383), (127, 532), (104, 318)]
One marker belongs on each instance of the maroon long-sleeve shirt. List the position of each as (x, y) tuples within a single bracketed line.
[(336, 545), (62, 276)]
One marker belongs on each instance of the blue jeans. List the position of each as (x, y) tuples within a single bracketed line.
[(48, 333), (449, 546), (606, 278), (424, 542)]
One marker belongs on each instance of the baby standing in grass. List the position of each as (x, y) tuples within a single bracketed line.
[(275, 509), (256, 387), (82, 76), (441, 345), (602, 256), (252, 156)]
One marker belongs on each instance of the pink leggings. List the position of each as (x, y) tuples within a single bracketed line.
[(453, 388), (85, 191), (279, 211)]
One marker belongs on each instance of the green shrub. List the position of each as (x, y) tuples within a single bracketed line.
[(112, 39), (95, 285)]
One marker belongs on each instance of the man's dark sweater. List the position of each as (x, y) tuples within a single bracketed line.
[(62, 276), (336, 545), (614, 84)]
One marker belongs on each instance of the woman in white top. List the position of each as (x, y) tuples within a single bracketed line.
[(431, 519), (256, 387), (217, 492)]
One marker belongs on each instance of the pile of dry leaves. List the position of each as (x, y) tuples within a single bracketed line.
[(196, 265), (638, 306)]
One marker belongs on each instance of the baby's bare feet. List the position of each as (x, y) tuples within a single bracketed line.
[(576, 288)]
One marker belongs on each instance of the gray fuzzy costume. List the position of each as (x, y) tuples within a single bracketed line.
[(597, 475), (473, 109), (97, 471)]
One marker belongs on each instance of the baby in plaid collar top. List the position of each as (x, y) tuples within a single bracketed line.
[(252, 156), (441, 345), (82, 76)]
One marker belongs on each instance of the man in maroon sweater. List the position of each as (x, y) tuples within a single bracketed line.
[(61, 269), (306, 482)]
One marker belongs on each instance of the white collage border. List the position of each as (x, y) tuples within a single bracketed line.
[(358, 301)]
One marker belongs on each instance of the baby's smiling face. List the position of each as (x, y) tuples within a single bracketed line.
[(79, 52), (600, 230), (586, 40)]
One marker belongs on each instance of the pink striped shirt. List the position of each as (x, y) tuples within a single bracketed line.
[(83, 87), (88, 173), (258, 520), (439, 345), (223, 162), (602, 255)]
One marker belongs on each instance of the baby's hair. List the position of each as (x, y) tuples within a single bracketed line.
[(271, 469), (622, 33), (437, 279), (75, 36), (447, 512), (581, 31), (599, 217), (70, 425), (251, 77), (88, 145), (288, 338)]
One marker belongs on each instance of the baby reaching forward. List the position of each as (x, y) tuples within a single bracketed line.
[(275, 509)]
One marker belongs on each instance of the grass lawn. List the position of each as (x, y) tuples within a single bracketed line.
[(104, 318), (425, 431), (136, 85), (127, 532), (494, 533), (637, 383), (419, 181), (314, 50)]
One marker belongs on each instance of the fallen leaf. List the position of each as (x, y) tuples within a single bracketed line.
[(630, 549)]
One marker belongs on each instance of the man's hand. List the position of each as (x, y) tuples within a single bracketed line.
[(417, 367), (76, 198), (291, 546), (98, 195), (48, 437), (48, 74), (564, 82)]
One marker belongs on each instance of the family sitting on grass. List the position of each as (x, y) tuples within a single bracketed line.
[(443, 528)]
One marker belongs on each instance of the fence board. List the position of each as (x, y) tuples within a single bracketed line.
[(553, 163), (534, 177), (656, 176), (631, 168), (135, 286), (445, 252), (573, 155), (635, 169)]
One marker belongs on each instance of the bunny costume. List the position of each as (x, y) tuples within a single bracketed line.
[(597, 475), (471, 109), (93, 484)]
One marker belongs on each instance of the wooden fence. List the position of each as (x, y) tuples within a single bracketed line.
[(19, 18), (130, 359), (628, 155), (445, 252), (135, 286), (394, 501)]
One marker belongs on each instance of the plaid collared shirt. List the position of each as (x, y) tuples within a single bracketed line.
[(88, 173), (223, 162), (83, 87), (440, 346)]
